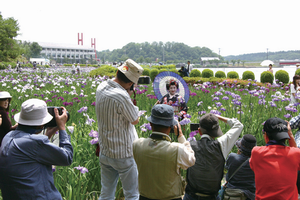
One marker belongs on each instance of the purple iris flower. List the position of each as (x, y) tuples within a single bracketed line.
[(223, 109), (185, 121), (199, 103), (81, 169), (218, 104), (216, 99), (94, 141), (83, 109), (225, 98), (287, 115), (215, 112), (202, 112), (93, 133)]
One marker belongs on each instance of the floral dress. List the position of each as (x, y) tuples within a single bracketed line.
[(177, 102)]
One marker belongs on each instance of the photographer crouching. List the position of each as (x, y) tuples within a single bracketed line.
[(26, 158)]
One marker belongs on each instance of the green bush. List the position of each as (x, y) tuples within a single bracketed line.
[(282, 76), (223, 66), (174, 70), (266, 77), (297, 72), (195, 73), (153, 74), (248, 75), (233, 75), (207, 73), (146, 72), (162, 70), (104, 70), (220, 74)]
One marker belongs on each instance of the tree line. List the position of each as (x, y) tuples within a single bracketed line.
[(170, 52)]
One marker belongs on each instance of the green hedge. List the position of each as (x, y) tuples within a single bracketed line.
[(153, 74), (297, 72), (266, 77), (248, 75), (233, 75), (195, 73), (104, 70), (282, 76), (146, 72), (207, 73), (220, 74)]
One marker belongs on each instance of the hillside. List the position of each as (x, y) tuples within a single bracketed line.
[(170, 52), (275, 56)]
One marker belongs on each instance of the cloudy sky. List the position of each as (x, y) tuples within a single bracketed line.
[(233, 26)]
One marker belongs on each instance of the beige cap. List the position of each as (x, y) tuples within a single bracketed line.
[(131, 70)]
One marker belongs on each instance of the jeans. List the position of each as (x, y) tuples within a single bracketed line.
[(111, 170), (189, 197)]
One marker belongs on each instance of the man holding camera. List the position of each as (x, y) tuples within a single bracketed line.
[(159, 160), (116, 117), (204, 178), (26, 158)]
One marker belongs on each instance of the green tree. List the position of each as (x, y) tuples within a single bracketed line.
[(35, 50), (233, 62), (9, 49)]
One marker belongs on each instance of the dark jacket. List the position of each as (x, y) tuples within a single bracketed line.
[(5, 127), (206, 175)]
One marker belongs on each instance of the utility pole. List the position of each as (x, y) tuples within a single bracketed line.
[(267, 53)]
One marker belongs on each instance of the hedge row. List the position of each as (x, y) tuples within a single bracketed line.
[(265, 77)]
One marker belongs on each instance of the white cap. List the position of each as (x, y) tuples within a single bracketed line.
[(131, 70), (34, 112)]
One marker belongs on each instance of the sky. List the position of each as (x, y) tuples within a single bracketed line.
[(228, 27)]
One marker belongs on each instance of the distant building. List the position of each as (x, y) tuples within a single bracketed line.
[(60, 51), (40, 61), (288, 62), (207, 60)]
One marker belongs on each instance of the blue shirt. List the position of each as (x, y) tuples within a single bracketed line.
[(26, 164)]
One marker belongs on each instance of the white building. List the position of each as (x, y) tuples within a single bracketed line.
[(60, 51)]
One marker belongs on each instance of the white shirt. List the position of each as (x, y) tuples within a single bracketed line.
[(228, 140), (115, 112), (293, 91)]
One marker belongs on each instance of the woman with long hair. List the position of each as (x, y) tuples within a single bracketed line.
[(5, 127), (294, 88)]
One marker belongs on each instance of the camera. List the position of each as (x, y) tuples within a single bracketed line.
[(52, 123), (194, 127), (131, 88)]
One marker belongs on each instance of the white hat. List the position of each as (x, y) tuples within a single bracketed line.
[(33, 113), (131, 70), (4, 95)]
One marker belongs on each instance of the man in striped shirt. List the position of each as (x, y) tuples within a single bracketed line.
[(116, 117)]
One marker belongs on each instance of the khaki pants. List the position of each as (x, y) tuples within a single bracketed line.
[(234, 194)]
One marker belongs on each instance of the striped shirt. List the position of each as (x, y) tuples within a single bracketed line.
[(115, 112)]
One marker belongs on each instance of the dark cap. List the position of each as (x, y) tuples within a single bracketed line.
[(277, 128), (246, 143), (162, 114), (209, 124)]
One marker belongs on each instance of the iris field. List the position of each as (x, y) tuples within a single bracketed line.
[(250, 103)]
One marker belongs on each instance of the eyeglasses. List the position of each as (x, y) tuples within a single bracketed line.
[(4, 99)]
